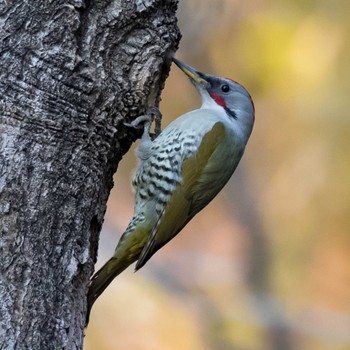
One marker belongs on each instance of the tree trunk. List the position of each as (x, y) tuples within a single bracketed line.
[(70, 73)]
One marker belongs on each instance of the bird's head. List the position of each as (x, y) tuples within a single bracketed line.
[(225, 93)]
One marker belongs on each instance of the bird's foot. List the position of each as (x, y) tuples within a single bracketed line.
[(145, 121)]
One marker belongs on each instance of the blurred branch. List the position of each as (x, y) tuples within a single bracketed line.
[(247, 213)]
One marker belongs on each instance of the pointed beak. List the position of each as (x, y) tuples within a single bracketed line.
[(196, 77)]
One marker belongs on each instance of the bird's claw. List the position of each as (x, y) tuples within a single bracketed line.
[(157, 118)]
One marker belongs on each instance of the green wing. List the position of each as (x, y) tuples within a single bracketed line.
[(190, 196)]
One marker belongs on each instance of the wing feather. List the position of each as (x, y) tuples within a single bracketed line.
[(186, 201)]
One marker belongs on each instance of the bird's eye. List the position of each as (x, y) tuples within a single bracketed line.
[(225, 88)]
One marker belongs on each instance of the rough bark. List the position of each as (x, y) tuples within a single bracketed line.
[(70, 73)]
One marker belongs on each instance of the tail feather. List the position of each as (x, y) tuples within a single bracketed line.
[(101, 280)]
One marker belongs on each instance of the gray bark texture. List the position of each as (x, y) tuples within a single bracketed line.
[(70, 73)]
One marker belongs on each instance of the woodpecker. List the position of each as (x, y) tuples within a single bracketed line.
[(181, 170)]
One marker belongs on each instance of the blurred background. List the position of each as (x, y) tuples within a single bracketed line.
[(266, 266)]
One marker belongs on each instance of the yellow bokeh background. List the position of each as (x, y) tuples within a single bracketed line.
[(266, 266)]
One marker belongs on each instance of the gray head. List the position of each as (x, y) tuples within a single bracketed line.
[(226, 93)]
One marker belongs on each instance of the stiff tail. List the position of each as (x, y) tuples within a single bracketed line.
[(101, 279)]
